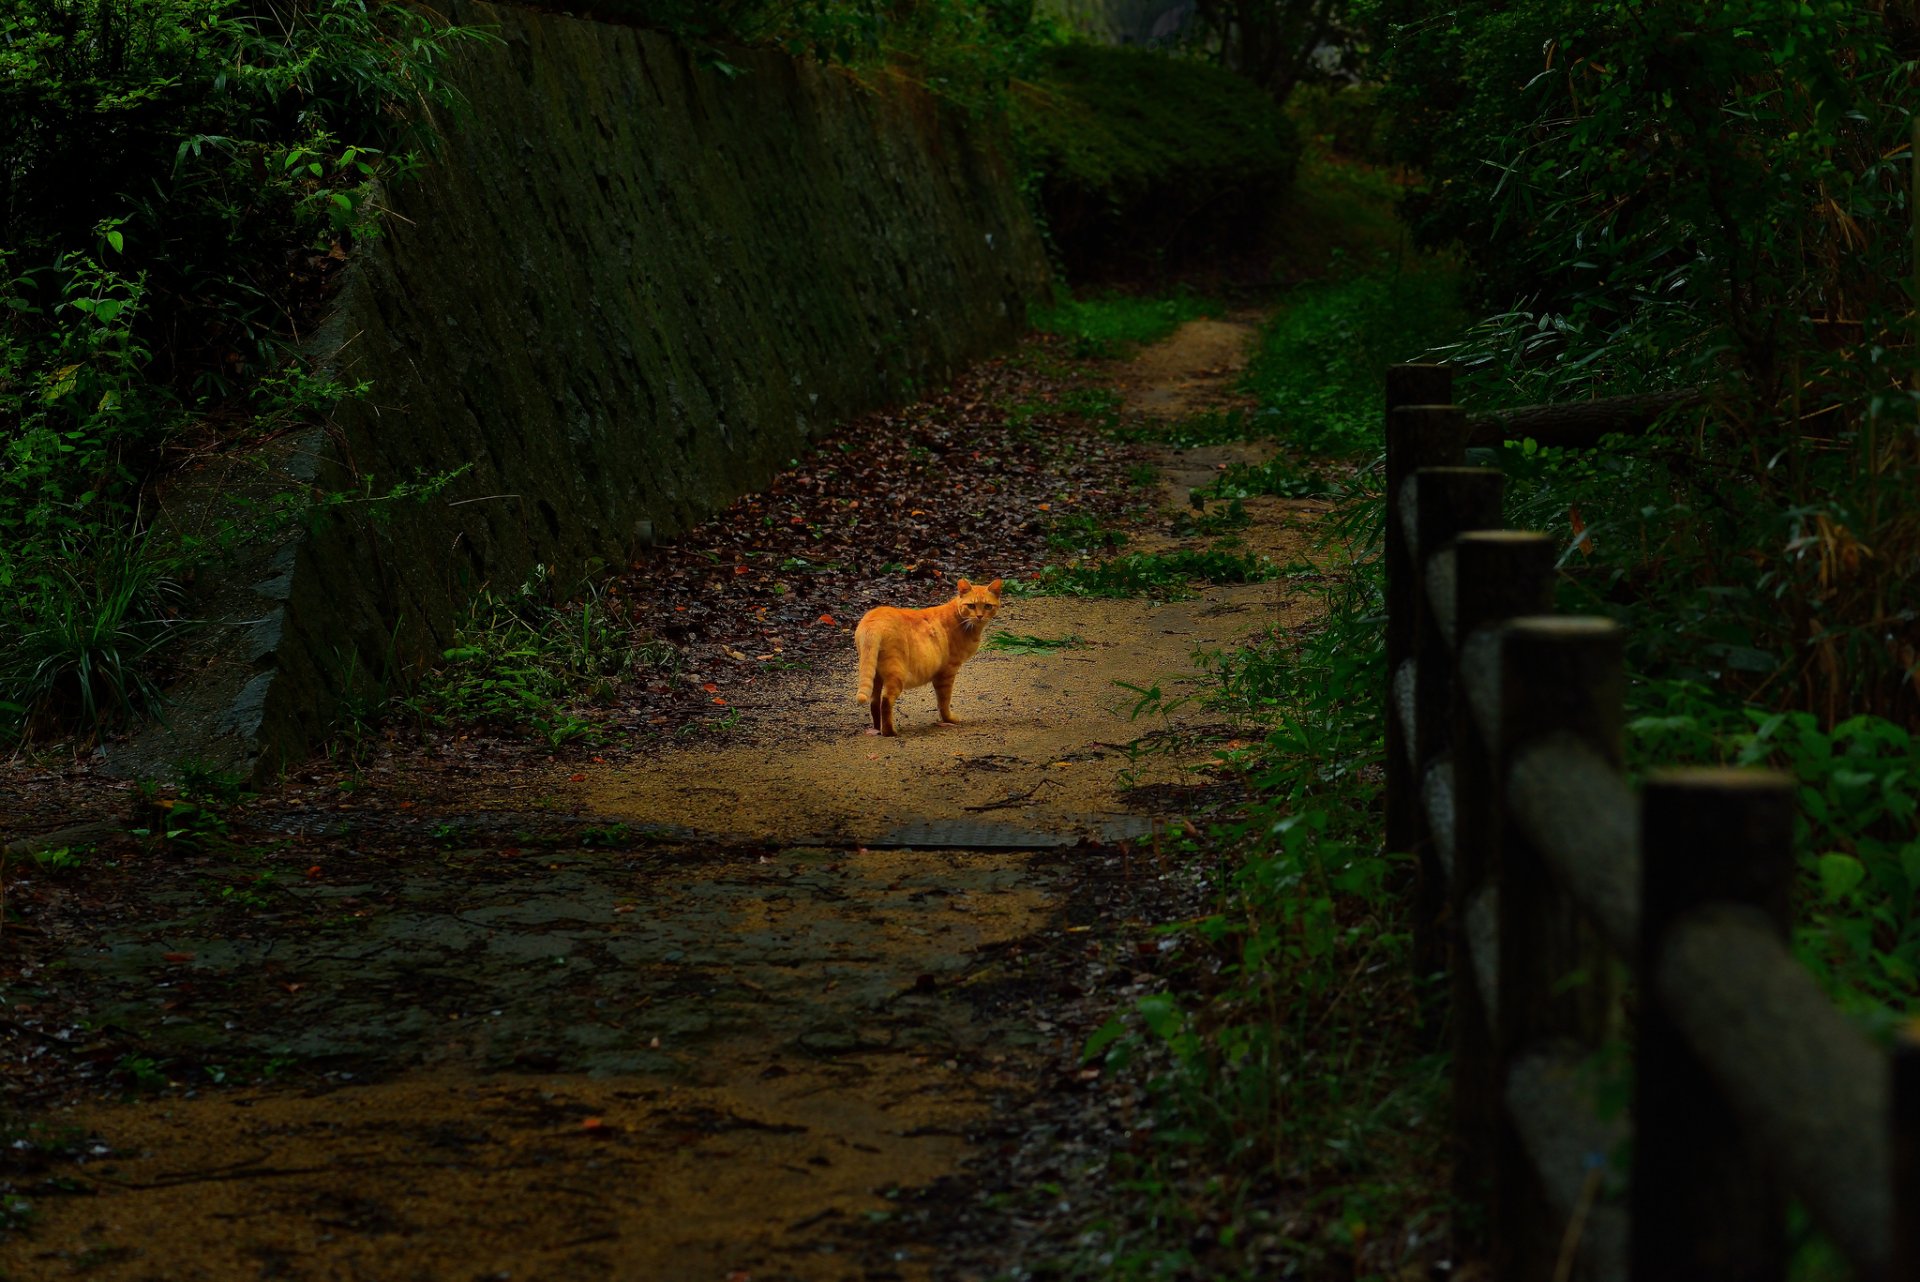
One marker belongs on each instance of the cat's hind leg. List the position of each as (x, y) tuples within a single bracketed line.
[(888, 687), (874, 695)]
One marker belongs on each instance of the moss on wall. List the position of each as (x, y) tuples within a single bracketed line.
[(628, 289)]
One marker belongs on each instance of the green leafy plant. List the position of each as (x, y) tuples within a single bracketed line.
[(521, 661), (1164, 575), (1279, 476), (1016, 643), (182, 176), (1105, 325)]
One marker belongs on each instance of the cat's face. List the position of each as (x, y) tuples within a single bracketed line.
[(978, 602)]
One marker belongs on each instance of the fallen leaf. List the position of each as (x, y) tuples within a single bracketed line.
[(176, 957), (708, 686), (741, 569), (592, 1123), (577, 778), (828, 619), (314, 871)]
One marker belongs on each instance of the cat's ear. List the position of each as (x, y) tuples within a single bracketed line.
[(994, 587), (962, 586)]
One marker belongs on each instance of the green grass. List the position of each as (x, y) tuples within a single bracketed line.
[(522, 664), (1015, 643), (1280, 477), (1212, 427), (1161, 575), (1321, 367), (1213, 523), (1083, 532), (1106, 325)]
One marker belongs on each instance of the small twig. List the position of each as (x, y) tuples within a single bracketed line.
[(1576, 1225), (1008, 802)]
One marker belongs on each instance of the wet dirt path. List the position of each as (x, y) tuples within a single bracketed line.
[(712, 1025)]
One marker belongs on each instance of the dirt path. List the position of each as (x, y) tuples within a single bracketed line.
[(718, 1014)]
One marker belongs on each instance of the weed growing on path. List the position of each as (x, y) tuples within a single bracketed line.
[(1162, 575), (1212, 523), (1281, 477), (1293, 1108), (1015, 643), (1105, 325), (1210, 427)]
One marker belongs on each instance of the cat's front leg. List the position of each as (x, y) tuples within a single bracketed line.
[(943, 691)]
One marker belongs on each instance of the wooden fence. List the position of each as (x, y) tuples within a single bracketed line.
[(1572, 915)]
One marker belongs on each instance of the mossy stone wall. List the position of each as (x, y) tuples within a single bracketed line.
[(628, 289)]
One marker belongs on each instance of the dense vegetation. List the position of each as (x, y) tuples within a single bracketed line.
[(1662, 196), (178, 181), (1715, 197)]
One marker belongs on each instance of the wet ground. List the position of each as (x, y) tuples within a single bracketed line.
[(747, 1007)]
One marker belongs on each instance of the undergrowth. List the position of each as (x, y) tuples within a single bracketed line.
[(1161, 575), (535, 664), (1104, 325), (1297, 1119), (1319, 370), (184, 178)]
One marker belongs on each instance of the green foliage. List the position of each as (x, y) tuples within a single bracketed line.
[(963, 50), (82, 630), (1279, 476), (1210, 427), (1857, 833), (1321, 365), (1082, 532), (1015, 643), (1215, 522), (1267, 1060), (1162, 575), (520, 662), (180, 178), (1105, 325), (1718, 195), (1141, 156)]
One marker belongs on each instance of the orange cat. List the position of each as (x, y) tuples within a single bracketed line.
[(903, 649)]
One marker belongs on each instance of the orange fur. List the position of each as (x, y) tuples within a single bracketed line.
[(903, 649)]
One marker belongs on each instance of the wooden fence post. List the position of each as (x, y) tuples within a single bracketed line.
[(1498, 575), (1442, 504), (1417, 436), (1561, 676), (1703, 1204), (1406, 385), (1905, 1148)]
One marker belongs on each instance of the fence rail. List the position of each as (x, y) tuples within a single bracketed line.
[(1545, 884)]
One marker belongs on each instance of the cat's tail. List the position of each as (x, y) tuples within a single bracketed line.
[(867, 684)]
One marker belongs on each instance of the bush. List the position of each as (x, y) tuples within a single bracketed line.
[(178, 182), (1144, 159)]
